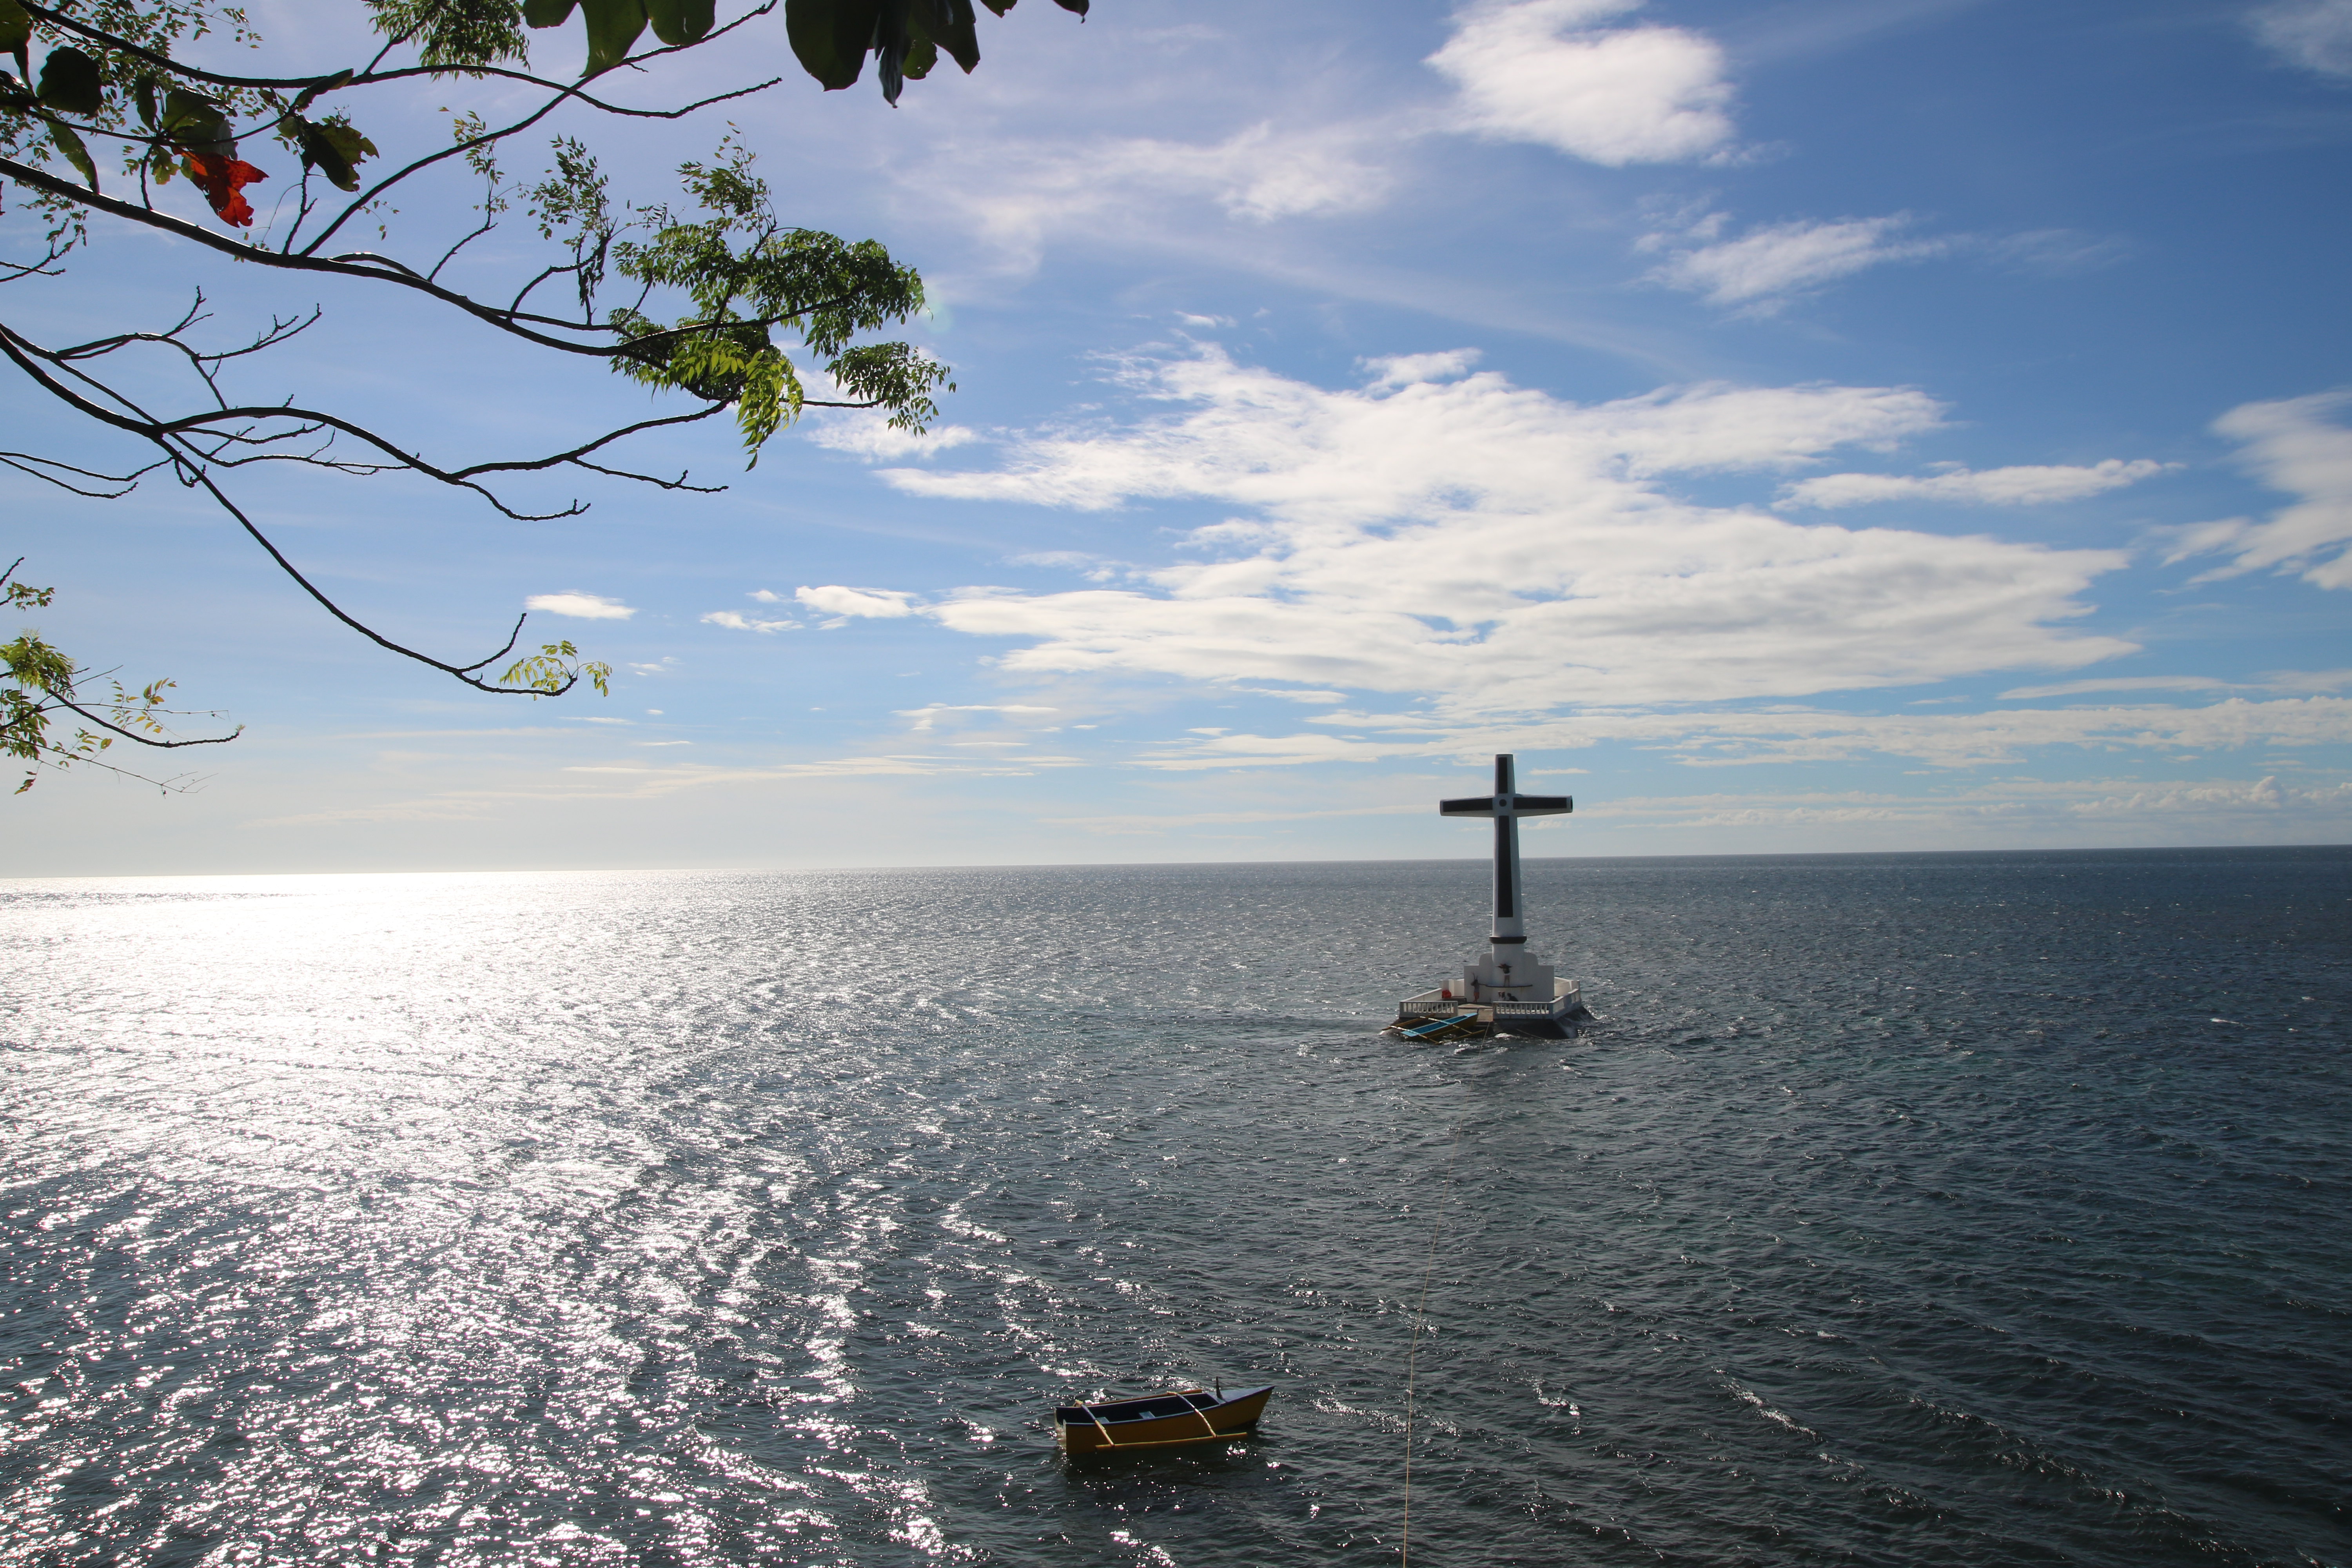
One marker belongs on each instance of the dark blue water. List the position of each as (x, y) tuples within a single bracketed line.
[(1900, 1209)]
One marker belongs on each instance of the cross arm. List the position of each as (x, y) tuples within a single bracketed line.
[(1511, 805)]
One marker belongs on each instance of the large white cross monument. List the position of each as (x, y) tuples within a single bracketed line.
[(1509, 989)]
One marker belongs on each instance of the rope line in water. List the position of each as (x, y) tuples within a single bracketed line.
[(1412, 1356)]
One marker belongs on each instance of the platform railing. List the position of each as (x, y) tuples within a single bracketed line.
[(1430, 1005)]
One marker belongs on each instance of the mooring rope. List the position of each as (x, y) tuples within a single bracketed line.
[(1412, 1356)]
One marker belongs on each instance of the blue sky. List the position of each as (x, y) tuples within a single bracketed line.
[(1807, 426)]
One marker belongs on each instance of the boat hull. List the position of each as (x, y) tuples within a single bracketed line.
[(1165, 1421)]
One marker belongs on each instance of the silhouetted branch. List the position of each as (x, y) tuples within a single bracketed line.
[(28, 463)]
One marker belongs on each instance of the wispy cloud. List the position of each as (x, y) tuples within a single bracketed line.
[(1156, 826), (2294, 446), (2117, 683), (879, 604), (2315, 35), (580, 607), (733, 621), (1017, 195), (2055, 252), (1307, 695), (1789, 734), (872, 436), (1542, 71), (2035, 485), (1764, 269), (1499, 549), (2007, 810), (652, 780), (927, 717), (1404, 370)]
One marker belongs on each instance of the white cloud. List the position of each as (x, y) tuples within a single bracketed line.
[(2313, 34), (927, 716), (1159, 826), (2117, 683), (2308, 679), (872, 436), (1292, 694), (835, 600), (2057, 252), (765, 596), (2036, 486), (2006, 810), (1538, 70), (1791, 734), (1404, 370), (2294, 446), (1016, 195), (1503, 549), (580, 607), (1765, 267), (740, 623)]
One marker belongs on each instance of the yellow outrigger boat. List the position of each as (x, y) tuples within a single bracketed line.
[(1161, 1421)]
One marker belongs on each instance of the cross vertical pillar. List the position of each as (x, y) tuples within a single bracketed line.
[(1508, 933), (1510, 928)]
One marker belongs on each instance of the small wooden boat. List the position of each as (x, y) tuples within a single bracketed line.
[(1161, 1421), (1442, 1028)]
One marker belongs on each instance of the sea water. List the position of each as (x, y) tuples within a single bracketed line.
[(1894, 1209)]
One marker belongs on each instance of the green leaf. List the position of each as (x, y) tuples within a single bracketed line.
[(15, 33), (551, 672), (547, 12), (949, 25), (197, 123), (613, 27), (335, 148), (1078, 5), (348, 140), (76, 153), (452, 34), (745, 273), (921, 56), (143, 94), (70, 82), (999, 8), (830, 37), (681, 21)]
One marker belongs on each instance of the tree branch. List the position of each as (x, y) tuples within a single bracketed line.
[(372, 77), (145, 740), (27, 463), (464, 672), (385, 270)]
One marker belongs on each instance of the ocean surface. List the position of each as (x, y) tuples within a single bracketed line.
[(1896, 1209)]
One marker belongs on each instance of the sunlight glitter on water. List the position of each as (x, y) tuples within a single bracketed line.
[(603, 1218)]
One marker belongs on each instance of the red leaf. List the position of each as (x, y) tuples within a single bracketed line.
[(223, 181)]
